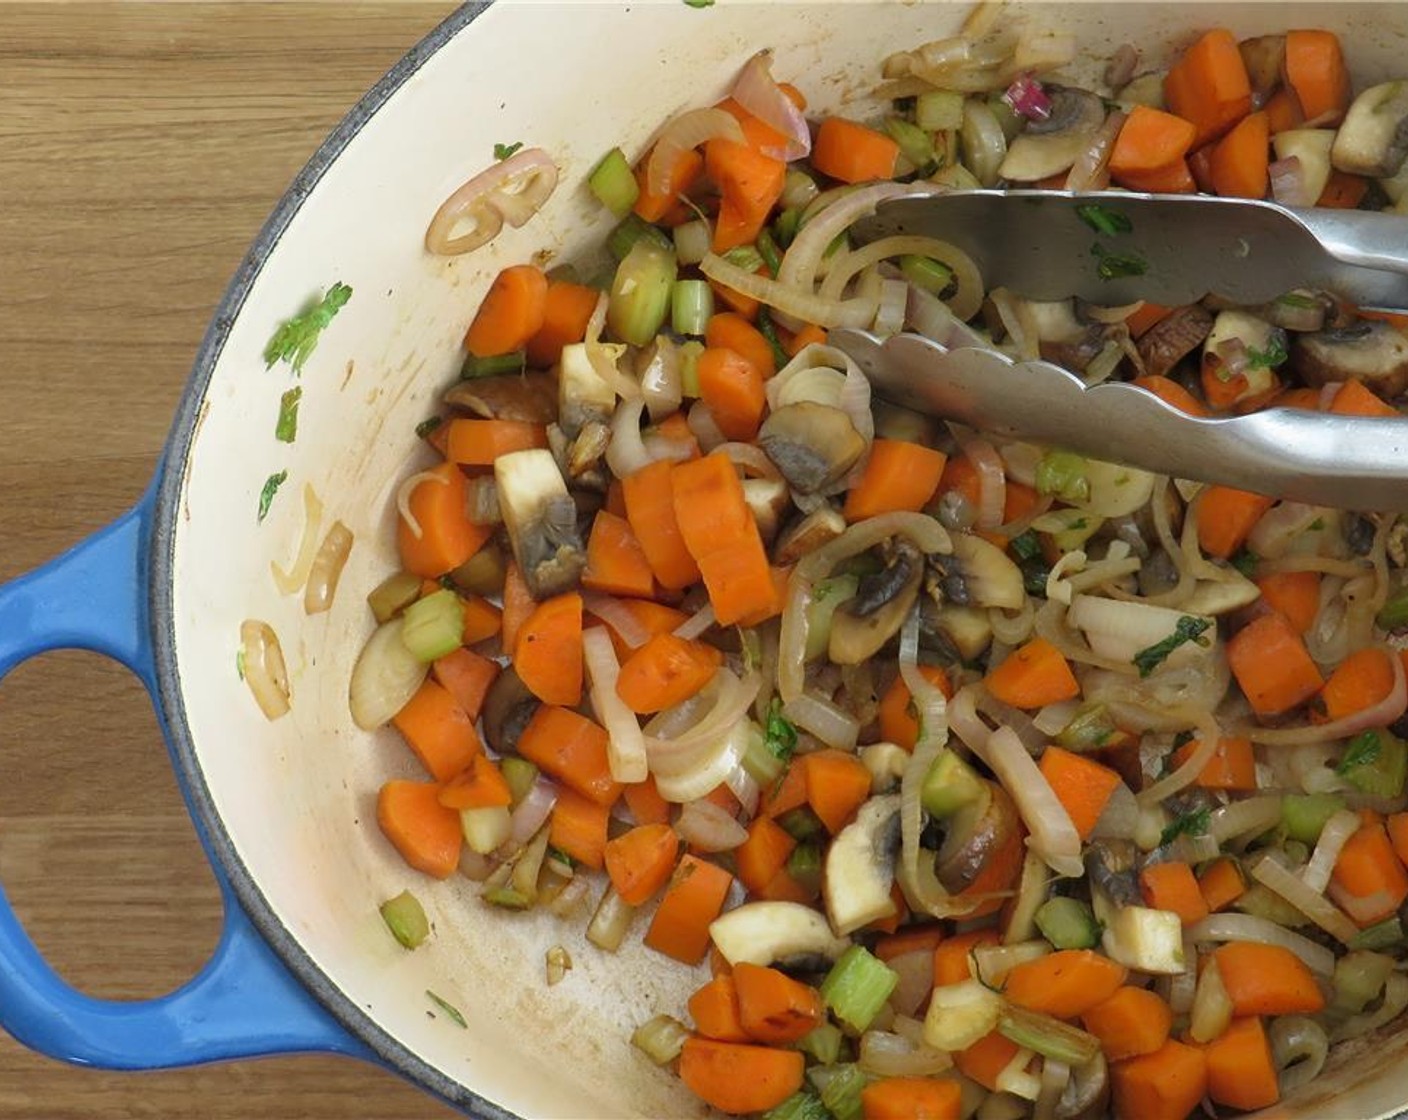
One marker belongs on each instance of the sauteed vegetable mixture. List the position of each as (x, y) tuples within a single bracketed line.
[(986, 778)]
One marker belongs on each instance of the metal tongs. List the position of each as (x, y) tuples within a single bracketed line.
[(1115, 248)]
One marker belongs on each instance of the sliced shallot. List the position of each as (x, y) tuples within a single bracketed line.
[(759, 93), (512, 190), (262, 662)]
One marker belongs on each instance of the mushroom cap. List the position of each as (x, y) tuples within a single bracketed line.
[(1369, 351)]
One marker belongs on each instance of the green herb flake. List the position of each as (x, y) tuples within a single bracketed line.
[(1274, 354), (1025, 545), (1104, 220), (428, 425), (1115, 266), (1245, 561), (294, 341), (780, 732), (769, 332), (449, 1009), (286, 429), (1364, 750), (1316, 526), (266, 495), (1195, 823), (1188, 629), (503, 151), (1298, 301), (698, 3), (239, 663)]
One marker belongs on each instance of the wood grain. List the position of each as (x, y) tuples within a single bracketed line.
[(142, 144)]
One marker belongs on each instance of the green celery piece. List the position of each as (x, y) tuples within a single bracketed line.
[(822, 1043), (1303, 815), (857, 987), (916, 144), (1068, 923), (827, 596), (804, 865), (1393, 615), (621, 240), (1380, 771), (520, 774), (691, 305), (926, 273), (405, 918), (801, 824), (1090, 729), (1381, 935), (799, 1106), (1062, 474), (614, 183), (475, 367), (950, 786), (640, 292), (433, 626), (841, 1096)]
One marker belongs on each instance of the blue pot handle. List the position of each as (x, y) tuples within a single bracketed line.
[(244, 1002)]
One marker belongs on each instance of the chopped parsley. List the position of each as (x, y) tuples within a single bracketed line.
[(1274, 354), (1195, 823), (266, 495), (294, 341), (1025, 545), (503, 151), (1188, 629), (559, 856), (1295, 299), (1364, 750), (449, 1009), (239, 663), (286, 429), (1104, 220), (1114, 266), (779, 732), (1245, 561), (428, 425), (699, 3)]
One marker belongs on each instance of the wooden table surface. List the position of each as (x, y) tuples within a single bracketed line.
[(142, 144)]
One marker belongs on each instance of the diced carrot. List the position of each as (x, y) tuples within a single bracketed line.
[(760, 136), (1353, 399), (1172, 886), (838, 784), (1360, 681), (1146, 317), (572, 749), (1226, 518), (547, 653), (738, 1079), (684, 172), (739, 580), (1209, 85), (735, 300), (760, 857), (710, 507), (511, 313), (578, 826), (616, 563), (640, 861), (480, 785), (477, 443), (482, 620), (447, 536), (694, 898), (732, 386), (1150, 139), (714, 1009), (466, 677), (1131, 1022), (1033, 676), (915, 939), (960, 475), (1066, 983), (438, 730), (1307, 400), (1368, 881), (1294, 594), (732, 331), (1174, 178), (1200, 168), (567, 308), (911, 1098), (1166, 1084), (809, 335), (782, 887), (1222, 883), (1081, 784), (852, 153), (1241, 1071), (773, 1007), (519, 604), (997, 880), (1283, 112), (790, 793), (1232, 766), (749, 184), (1271, 665), (780, 577), (1240, 159), (953, 958), (1316, 73), (1267, 980), (666, 671), (986, 1058), (901, 915), (652, 618), (1171, 392), (650, 509), (897, 476), (426, 833), (645, 803), (1397, 825), (1343, 191), (899, 722)]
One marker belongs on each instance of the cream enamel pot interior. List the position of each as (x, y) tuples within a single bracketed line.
[(286, 808)]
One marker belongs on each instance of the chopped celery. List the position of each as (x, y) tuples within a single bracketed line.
[(510, 898), (485, 829), (1359, 977), (660, 1039), (1049, 1037), (786, 226), (392, 595), (804, 865), (405, 918), (1376, 762), (745, 257), (475, 367), (691, 304), (956, 177), (916, 145), (520, 774), (827, 595), (801, 824), (1393, 615), (939, 111), (1007, 118), (769, 332), (926, 273), (951, 786), (799, 1106), (621, 240), (1092, 728), (1068, 923), (640, 293), (857, 987), (614, 184), (433, 626), (1062, 474), (841, 1094), (1381, 935), (1304, 815), (1261, 902), (822, 1043), (689, 367), (798, 188), (693, 241), (762, 765), (768, 249)]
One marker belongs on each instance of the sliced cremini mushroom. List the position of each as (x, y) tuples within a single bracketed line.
[(508, 706), (860, 866), (861, 627), (765, 933), (978, 574), (893, 421), (1050, 146), (807, 535), (1263, 57), (584, 454), (541, 519), (1368, 351), (812, 445), (768, 500), (582, 393), (530, 397), (965, 632), (1302, 310), (1373, 140), (1172, 339), (974, 835)]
